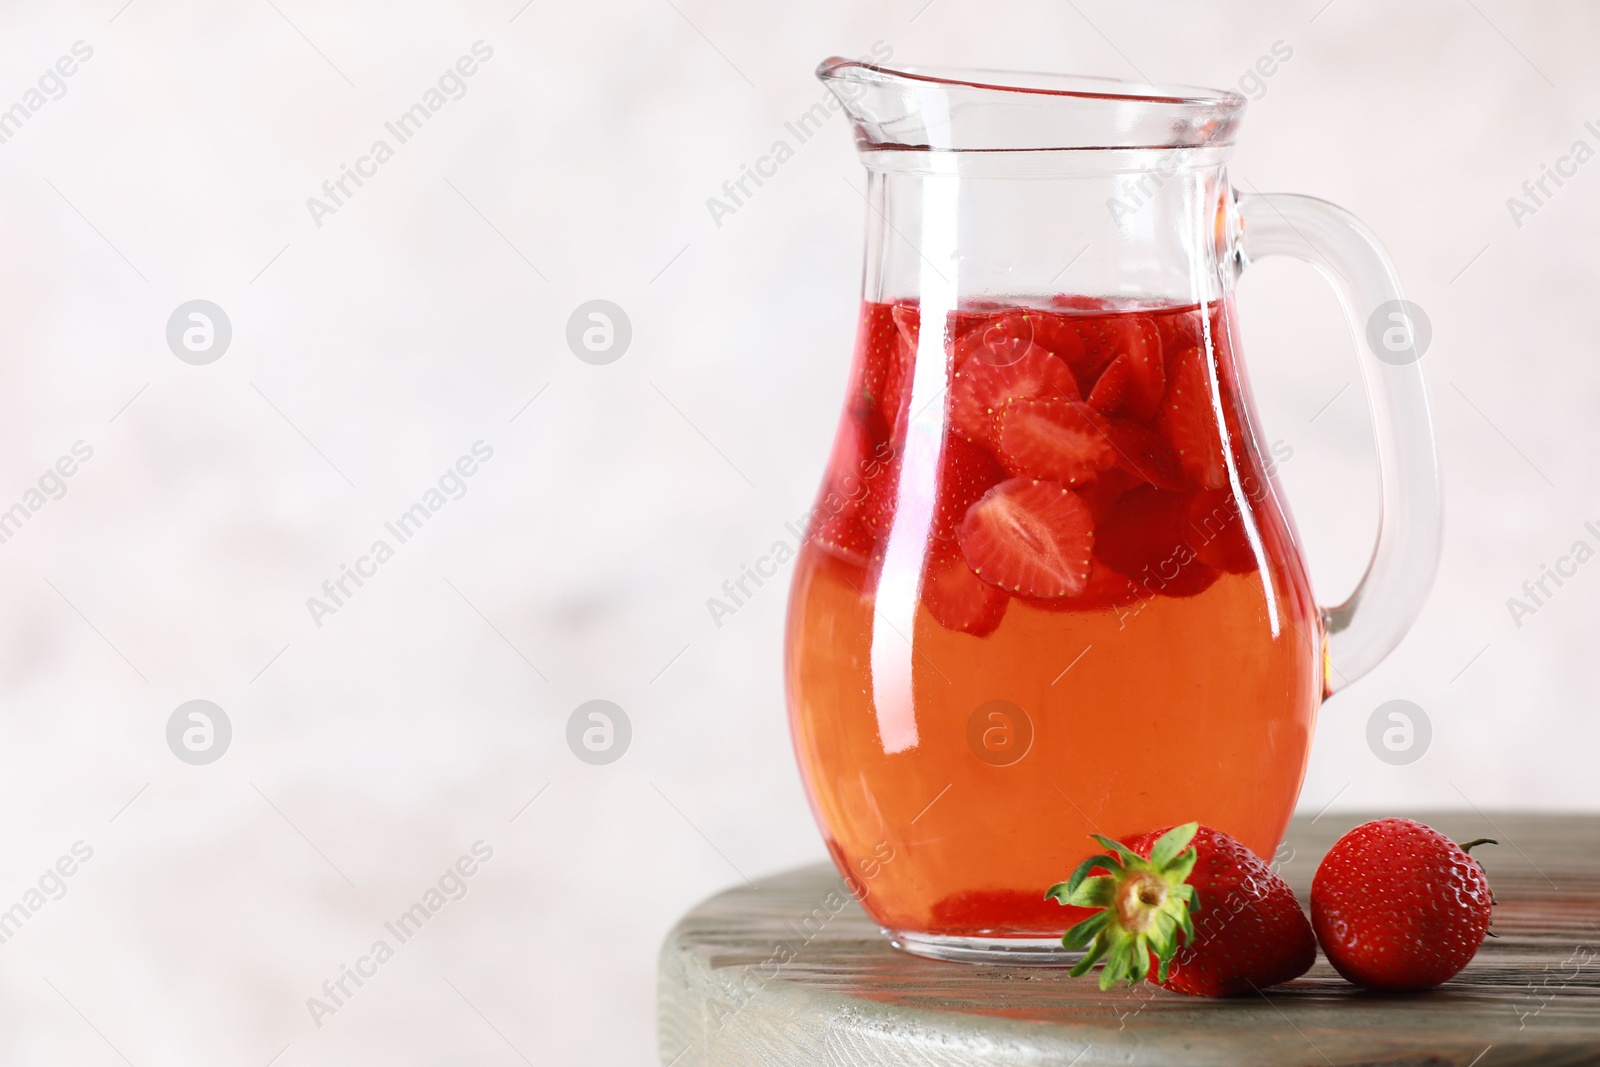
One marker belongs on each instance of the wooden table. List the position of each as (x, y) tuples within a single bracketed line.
[(1532, 995)]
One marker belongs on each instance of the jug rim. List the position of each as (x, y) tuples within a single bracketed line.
[(1093, 86), (971, 109)]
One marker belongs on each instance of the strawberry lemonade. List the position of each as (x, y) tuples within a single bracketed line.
[(1053, 595)]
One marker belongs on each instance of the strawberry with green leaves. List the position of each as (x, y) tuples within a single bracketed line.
[(1240, 925), (1142, 903)]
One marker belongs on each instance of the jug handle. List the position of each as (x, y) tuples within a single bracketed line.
[(1367, 626)]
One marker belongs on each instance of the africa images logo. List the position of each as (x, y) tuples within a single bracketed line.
[(52, 85)]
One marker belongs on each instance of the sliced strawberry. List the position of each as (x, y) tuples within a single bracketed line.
[(1108, 487), (862, 433), (876, 505), (878, 357), (1075, 302), (1145, 454), (843, 535), (1004, 336), (957, 598), (1059, 440), (1181, 329), (856, 483), (967, 330), (1145, 536), (894, 390), (858, 489), (1108, 589), (1056, 334), (998, 341), (1102, 339), (966, 472), (1194, 327), (907, 320), (1190, 423), (1105, 589), (981, 388), (1221, 322), (976, 313), (1216, 530), (1110, 391), (1136, 379), (1035, 538), (1003, 339)]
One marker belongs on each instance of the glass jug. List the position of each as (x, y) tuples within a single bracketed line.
[(1049, 585)]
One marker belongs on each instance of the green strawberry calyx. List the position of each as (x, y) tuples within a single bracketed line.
[(1143, 906)]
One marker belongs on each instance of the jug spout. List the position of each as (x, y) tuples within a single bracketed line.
[(953, 110)]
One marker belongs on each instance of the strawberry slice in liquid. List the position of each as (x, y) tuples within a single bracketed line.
[(1104, 589), (966, 472), (1136, 380), (1056, 334), (1216, 530), (1189, 421), (881, 361), (860, 477), (981, 388), (1059, 440), (1145, 455), (1146, 537), (956, 597), (1033, 538)]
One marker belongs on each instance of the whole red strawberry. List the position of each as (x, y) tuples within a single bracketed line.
[(1242, 927), (1397, 905)]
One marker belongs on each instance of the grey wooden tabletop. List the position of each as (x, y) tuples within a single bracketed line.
[(1532, 995)]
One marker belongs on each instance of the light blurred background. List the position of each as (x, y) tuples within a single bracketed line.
[(370, 352)]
